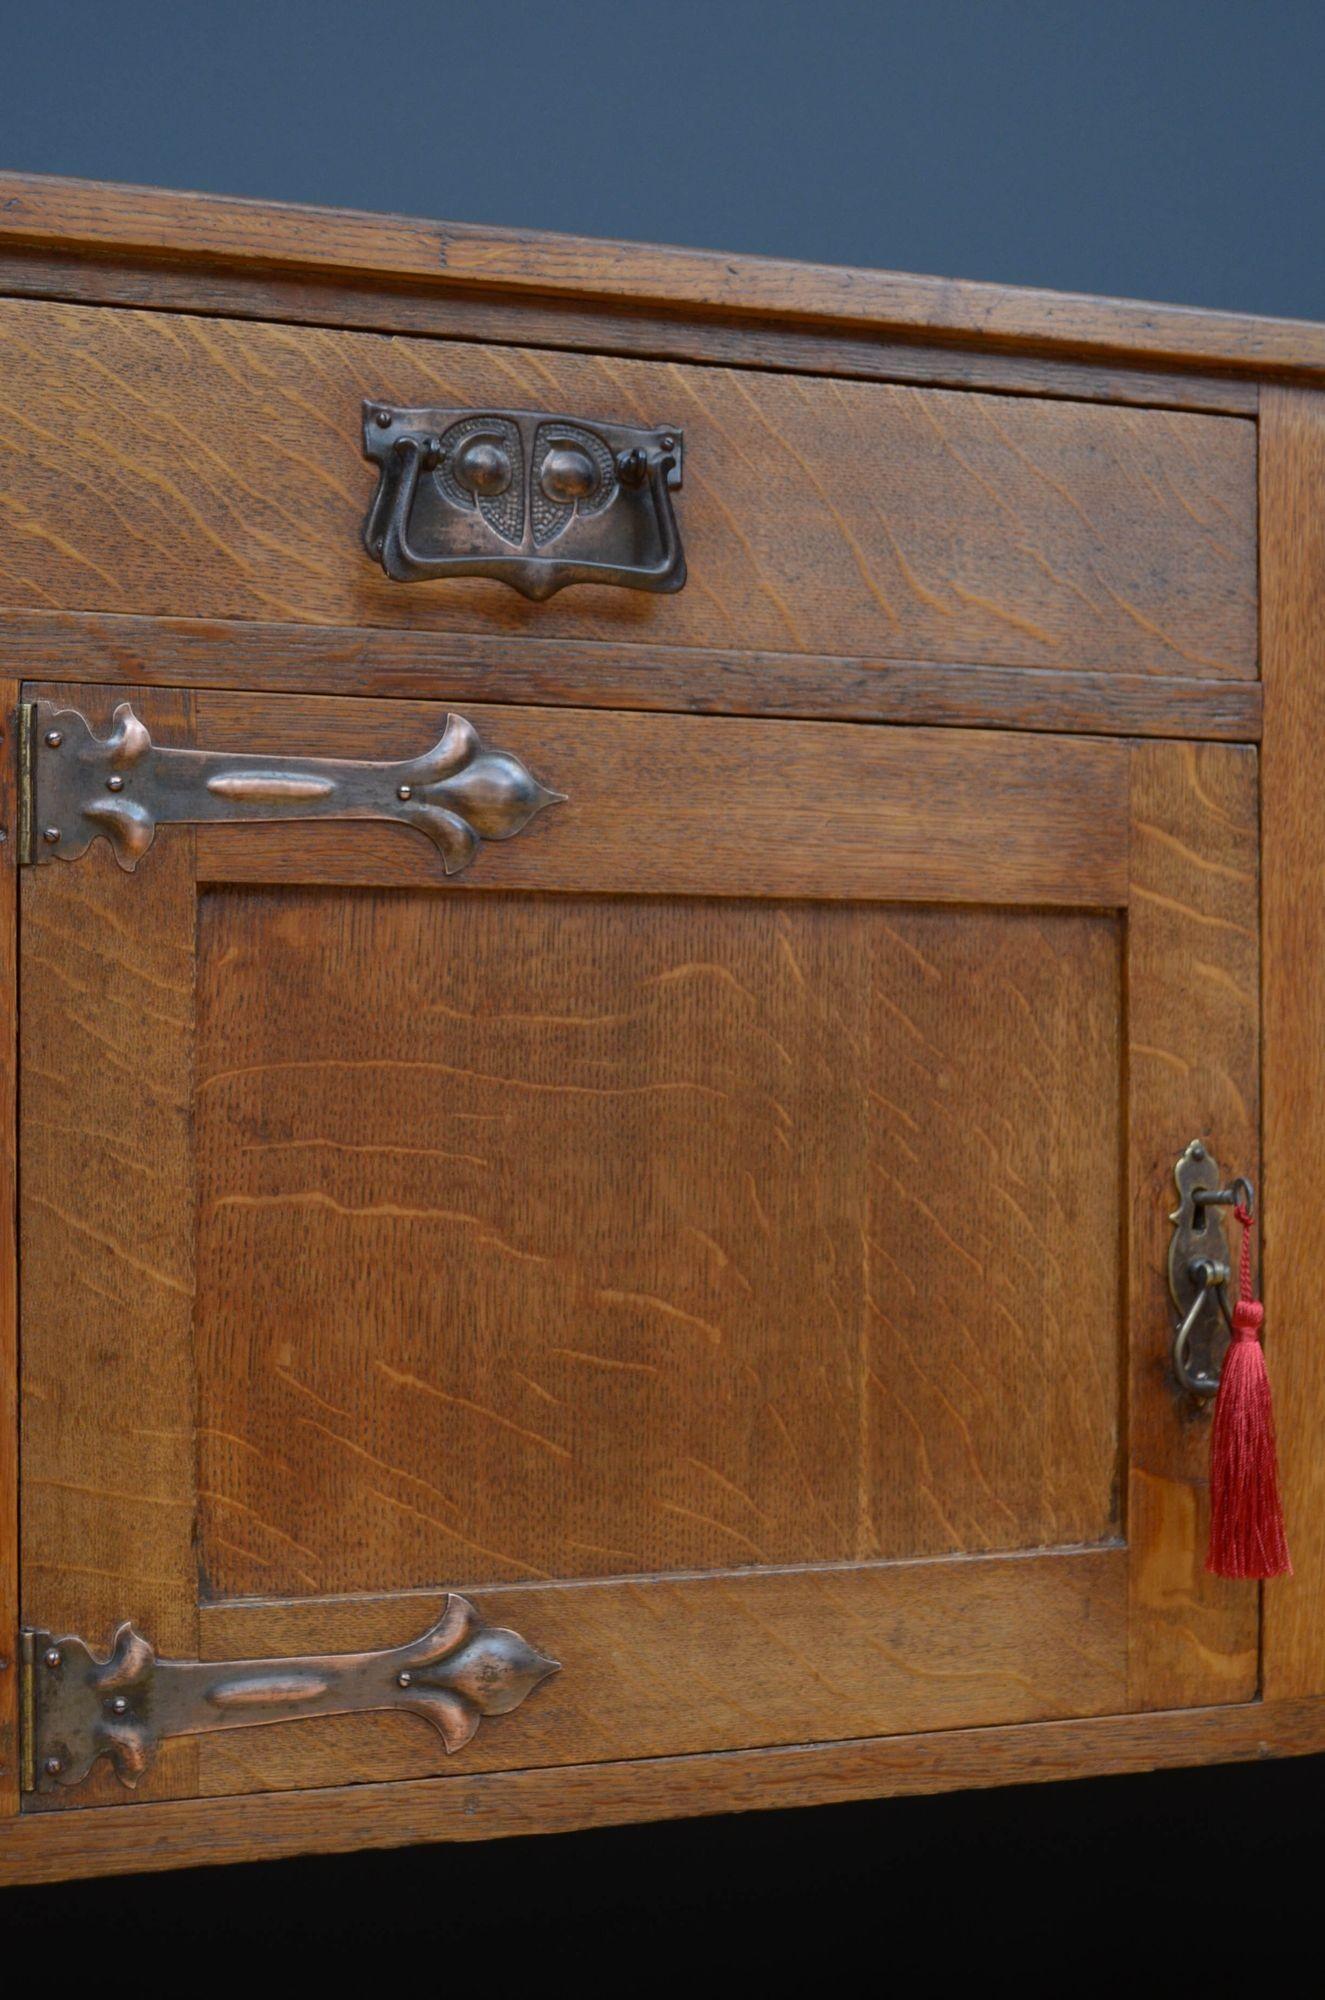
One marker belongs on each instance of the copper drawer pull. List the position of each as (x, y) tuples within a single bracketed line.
[(532, 500)]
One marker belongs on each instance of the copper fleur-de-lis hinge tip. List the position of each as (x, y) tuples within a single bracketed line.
[(78, 1708), (79, 787)]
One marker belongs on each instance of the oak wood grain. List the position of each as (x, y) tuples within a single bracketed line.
[(684, 1663), (9, 1579), (989, 1345), (107, 1239), (485, 1806), (504, 1267), (385, 305), (1193, 1072), (1293, 569), (710, 806), (580, 1237), (372, 663), (173, 465), (95, 216)]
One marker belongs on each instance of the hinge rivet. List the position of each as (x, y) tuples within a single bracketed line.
[(51, 835), (119, 1706), (114, 784), (52, 1656), (52, 1767), (404, 1680), (54, 738), (404, 791)]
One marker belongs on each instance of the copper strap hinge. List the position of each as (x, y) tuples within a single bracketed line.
[(76, 787), (77, 1708)]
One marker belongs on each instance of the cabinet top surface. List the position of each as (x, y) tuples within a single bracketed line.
[(96, 219)]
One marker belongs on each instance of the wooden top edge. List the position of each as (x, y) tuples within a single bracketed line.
[(101, 218)]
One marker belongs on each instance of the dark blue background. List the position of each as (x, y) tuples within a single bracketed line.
[(1168, 149)]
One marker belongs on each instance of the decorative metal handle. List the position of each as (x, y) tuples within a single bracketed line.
[(1199, 1268), (80, 1708), (122, 787), (1208, 1280), (533, 500)]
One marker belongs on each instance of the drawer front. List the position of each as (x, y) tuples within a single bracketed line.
[(719, 1232), (164, 464)]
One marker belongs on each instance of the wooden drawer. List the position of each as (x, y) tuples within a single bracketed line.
[(162, 464)]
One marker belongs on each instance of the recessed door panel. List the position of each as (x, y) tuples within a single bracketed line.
[(566, 1237)]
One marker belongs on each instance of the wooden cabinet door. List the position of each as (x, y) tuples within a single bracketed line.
[(720, 1232)]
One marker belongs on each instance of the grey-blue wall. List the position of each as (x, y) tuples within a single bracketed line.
[(1170, 149)]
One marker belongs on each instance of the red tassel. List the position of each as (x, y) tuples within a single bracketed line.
[(1247, 1537)]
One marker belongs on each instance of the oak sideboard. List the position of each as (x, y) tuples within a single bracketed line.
[(648, 904)]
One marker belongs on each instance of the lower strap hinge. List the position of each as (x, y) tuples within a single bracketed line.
[(78, 1708)]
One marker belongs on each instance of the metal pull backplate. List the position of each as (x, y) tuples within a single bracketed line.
[(1199, 1268), (529, 499)]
